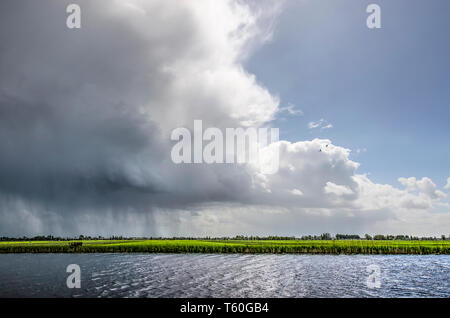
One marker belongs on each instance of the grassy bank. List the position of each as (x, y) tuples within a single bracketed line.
[(229, 246)]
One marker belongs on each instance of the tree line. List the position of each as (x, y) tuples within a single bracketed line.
[(323, 236)]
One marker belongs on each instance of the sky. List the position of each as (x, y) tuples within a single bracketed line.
[(86, 117), (385, 91)]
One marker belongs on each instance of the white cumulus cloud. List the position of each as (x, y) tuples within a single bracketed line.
[(424, 185), (447, 186), (337, 189), (322, 124)]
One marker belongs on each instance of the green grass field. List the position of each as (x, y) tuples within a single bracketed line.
[(230, 246)]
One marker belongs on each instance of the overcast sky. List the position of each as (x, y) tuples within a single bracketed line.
[(86, 116)]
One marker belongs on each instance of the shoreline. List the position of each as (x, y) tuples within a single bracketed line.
[(333, 247)]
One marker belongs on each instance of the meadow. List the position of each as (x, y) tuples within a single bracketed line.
[(230, 246)]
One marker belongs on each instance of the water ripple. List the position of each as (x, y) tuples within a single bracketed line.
[(215, 275)]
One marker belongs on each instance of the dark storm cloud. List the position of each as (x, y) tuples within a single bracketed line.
[(73, 136)]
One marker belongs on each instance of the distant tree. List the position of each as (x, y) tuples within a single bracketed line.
[(325, 236)]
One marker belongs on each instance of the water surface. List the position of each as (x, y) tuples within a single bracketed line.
[(218, 275)]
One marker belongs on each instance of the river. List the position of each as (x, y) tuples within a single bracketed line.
[(219, 275)]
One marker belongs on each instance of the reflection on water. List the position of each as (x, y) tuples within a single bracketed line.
[(200, 275)]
